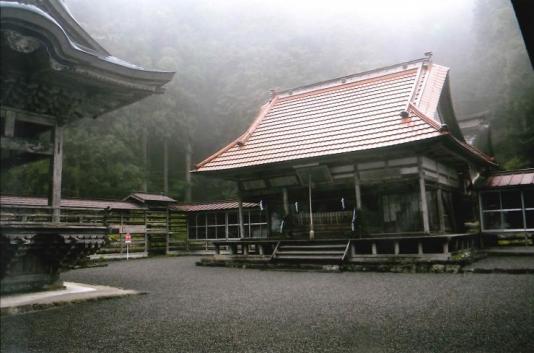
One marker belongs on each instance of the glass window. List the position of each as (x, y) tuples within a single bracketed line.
[(528, 196), (530, 219), (513, 220), (256, 217), (221, 219), (233, 231), (511, 199), (221, 232), (201, 233), (491, 201), (492, 220), (211, 219), (233, 218), (192, 232), (211, 232)]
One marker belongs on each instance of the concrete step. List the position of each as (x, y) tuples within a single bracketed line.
[(284, 252), (319, 246), (308, 257)]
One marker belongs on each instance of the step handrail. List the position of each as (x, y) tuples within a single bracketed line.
[(275, 250), (346, 251)]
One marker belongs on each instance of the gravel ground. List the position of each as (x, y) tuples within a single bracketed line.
[(203, 309), (504, 263)]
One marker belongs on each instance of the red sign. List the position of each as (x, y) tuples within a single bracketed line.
[(128, 238)]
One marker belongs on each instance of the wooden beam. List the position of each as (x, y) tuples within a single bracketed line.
[(441, 210), (26, 145), (9, 125), (56, 168), (424, 205), (240, 213), (285, 199), (41, 119), (357, 188)]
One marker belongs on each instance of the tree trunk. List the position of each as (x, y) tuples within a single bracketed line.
[(188, 153), (145, 161), (165, 167)]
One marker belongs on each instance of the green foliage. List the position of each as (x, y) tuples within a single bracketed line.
[(228, 55)]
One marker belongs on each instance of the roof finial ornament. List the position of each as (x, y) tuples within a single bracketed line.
[(428, 55), (273, 93)]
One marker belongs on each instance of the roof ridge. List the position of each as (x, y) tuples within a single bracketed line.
[(356, 75), (413, 109), (241, 140)]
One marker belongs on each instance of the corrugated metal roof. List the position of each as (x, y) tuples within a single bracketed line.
[(142, 196), (513, 178), (339, 117), (73, 203), (213, 206)]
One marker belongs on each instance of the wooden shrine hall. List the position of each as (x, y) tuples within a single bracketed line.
[(371, 164), (53, 73)]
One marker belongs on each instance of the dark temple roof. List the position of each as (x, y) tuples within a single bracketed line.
[(46, 53)]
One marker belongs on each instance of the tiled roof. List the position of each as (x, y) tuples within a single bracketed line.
[(521, 177), (68, 203), (213, 206), (143, 197), (354, 113)]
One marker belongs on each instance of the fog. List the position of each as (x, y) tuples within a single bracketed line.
[(228, 54)]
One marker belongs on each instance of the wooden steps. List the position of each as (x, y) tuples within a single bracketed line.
[(331, 252)]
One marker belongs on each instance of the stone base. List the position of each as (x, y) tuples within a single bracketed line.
[(32, 256)]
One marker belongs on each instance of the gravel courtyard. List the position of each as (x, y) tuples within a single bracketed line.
[(200, 309)]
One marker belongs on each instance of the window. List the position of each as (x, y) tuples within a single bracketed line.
[(507, 210), (225, 224)]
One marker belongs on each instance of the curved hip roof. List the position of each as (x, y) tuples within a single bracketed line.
[(348, 114)]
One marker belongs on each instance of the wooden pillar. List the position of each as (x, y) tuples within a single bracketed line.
[(446, 247), (422, 189), (397, 248), (373, 248), (240, 213), (165, 167), (312, 232), (441, 211), (56, 168), (146, 231), (357, 188), (9, 124), (145, 161), (188, 186), (419, 248), (285, 199)]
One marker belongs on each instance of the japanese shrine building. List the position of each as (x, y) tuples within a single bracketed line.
[(374, 154), (53, 73)]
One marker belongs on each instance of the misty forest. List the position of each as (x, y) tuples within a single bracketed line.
[(228, 55)]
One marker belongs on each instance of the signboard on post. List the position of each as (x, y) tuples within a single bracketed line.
[(127, 241)]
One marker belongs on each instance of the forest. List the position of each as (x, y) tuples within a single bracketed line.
[(228, 55)]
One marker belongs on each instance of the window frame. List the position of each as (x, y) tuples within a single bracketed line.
[(502, 211)]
